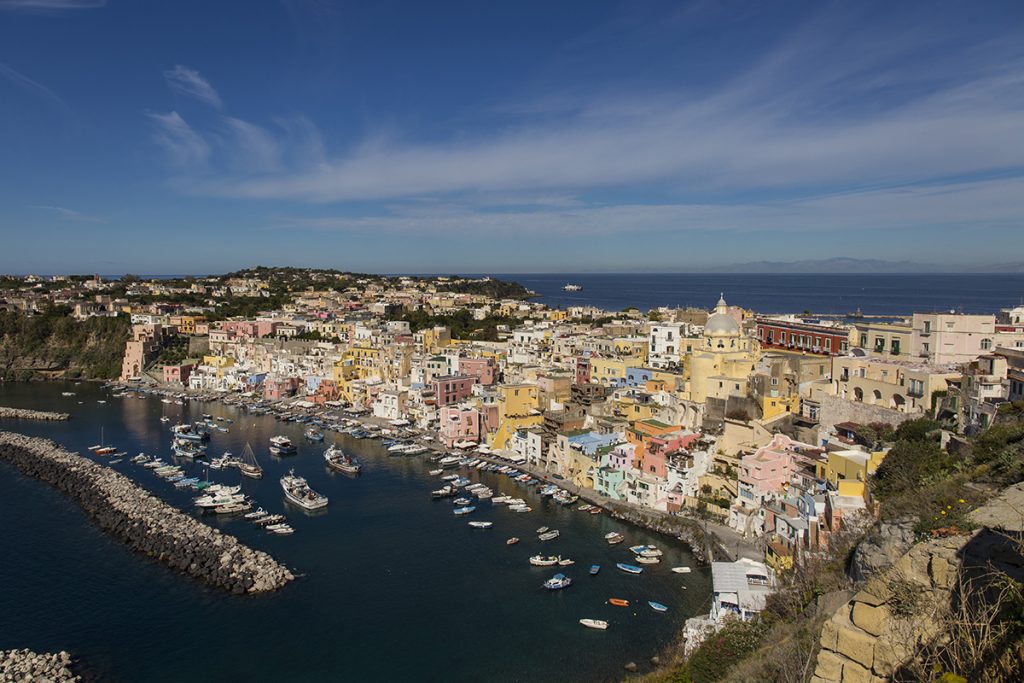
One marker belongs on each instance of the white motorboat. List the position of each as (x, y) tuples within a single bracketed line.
[(282, 445), (550, 535), (340, 460), (297, 491), (598, 624), (481, 525), (681, 570), (541, 561)]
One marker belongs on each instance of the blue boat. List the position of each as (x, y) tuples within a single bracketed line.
[(657, 606), (629, 568), (464, 510), (594, 569)]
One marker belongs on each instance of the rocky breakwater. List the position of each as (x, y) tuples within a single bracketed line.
[(23, 414), (147, 524), (25, 665)]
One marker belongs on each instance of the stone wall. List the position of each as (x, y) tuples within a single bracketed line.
[(144, 522), (24, 414), (25, 665), (835, 410)]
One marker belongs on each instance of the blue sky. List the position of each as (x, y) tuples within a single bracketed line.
[(173, 137)]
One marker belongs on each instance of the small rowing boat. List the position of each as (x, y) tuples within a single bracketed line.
[(594, 569), (512, 541), (657, 606), (618, 602), (629, 568)]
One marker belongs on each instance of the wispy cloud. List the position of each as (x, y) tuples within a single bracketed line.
[(183, 146), (843, 128), (48, 5), (25, 83), (190, 83), (69, 214)]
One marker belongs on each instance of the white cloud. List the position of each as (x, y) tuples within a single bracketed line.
[(183, 146), (190, 83), (69, 214), (981, 204), (49, 5)]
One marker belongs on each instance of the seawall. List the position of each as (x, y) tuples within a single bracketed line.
[(24, 414), (144, 522)]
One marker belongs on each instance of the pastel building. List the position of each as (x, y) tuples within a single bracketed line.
[(450, 389), (459, 424)]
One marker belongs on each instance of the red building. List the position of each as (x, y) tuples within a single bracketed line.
[(452, 389), (582, 369), (796, 335)]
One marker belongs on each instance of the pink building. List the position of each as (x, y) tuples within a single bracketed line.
[(276, 388), (769, 469), (460, 424), (582, 369), (622, 456), (178, 374), (483, 369), (450, 389), (659, 448)]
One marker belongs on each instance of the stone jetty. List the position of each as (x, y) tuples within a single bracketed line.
[(25, 665), (143, 521), (24, 414)]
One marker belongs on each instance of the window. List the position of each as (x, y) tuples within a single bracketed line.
[(927, 327), (986, 344), (894, 347), (879, 344)]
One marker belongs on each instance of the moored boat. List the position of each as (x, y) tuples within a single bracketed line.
[(541, 561), (512, 541), (550, 535), (481, 525), (594, 569), (643, 559), (618, 602), (282, 445), (597, 624), (681, 570), (657, 606), (248, 466), (338, 459), (464, 510), (557, 582), (297, 491), (629, 568)]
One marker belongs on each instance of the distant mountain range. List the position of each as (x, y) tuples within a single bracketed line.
[(841, 264)]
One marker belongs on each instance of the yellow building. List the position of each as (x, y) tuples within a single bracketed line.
[(218, 362), (721, 361), (608, 371), (633, 349), (773, 406), (433, 340), (850, 470), (365, 359), (518, 408)]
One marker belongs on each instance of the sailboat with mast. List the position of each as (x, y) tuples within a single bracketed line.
[(249, 467), (101, 449)]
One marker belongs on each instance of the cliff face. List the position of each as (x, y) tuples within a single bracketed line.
[(947, 609), (54, 345)]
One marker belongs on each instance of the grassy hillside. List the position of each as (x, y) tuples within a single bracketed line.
[(55, 345)]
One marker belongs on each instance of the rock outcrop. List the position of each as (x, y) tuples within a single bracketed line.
[(902, 608), (24, 414), (24, 665), (144, 522)]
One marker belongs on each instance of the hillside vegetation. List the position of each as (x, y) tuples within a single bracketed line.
[(56, 345)]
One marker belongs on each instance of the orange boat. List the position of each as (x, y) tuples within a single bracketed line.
[(618, 602)]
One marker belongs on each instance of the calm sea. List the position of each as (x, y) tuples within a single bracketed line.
[(392, 585), (873, 294)]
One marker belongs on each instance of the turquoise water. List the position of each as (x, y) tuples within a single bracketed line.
[(392, 585)]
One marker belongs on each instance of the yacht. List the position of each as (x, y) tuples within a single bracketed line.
[(570, 287), (282, 445), (297, 490), (557, 582), (337, 459), (541, 561)]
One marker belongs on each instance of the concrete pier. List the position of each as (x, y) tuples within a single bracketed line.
[(144, 522)]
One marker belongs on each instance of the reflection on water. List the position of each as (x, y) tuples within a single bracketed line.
[(392, 584)]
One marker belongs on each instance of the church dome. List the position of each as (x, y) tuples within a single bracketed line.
[(720, 323)]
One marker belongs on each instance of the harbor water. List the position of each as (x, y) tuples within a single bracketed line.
[(391, 585)]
